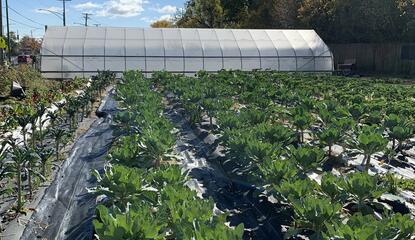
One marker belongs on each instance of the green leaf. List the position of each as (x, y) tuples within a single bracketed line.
[(307, 158)]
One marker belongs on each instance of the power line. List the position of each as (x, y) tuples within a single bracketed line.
[(23, 24), (26, 17), (86, 17)]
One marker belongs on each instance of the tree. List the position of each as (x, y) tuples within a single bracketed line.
[(407, 8), (235, 12), (353, 20), (271, 14), (341, 21), (30, 45), (14, 43), (241, 13), (284, 13), (201, 13), (162, 24)]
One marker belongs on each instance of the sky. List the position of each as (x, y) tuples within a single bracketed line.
[(28, 17)]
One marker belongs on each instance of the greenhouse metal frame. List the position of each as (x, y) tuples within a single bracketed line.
[(82, 51)]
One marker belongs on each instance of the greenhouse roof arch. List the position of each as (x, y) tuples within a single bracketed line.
[(82, 51)]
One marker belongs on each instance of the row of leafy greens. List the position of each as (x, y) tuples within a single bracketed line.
[(145, 190), (26, 163), (279, 130)]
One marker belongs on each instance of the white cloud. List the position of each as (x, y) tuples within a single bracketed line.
[(168, 9), (49, 10), (167, 17), (121, 8), (149, 20), (87, 6)]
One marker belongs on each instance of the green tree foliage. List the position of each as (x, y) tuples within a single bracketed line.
[(201, 13), (340, 21), (14, 43)]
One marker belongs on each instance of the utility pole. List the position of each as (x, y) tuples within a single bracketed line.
[(86, 17), (64, 10), (8, 33), (1, 32)]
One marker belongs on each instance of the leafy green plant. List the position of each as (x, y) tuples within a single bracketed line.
[(307, 158), (44, 154), (58, 135), (167, 174), (33, 116), (275, 171), (210, 106), (71, 107), (251, 116), (275, 134), (373, 118), (23, 116), (333, 187), (312, 213), (126, 152), (401, 133), (295, 189), (363, 188), (228, 120), (19, 157), (137, 222), (53, 117), (156, 144), (357, 111), (367, 227), (392, 120), (194, 112), (330, 136), (370, 142), (301, 120), (216, 229), (123, 185), (32, 160)]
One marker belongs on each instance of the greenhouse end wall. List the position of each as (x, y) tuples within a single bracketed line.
[(81, 51)]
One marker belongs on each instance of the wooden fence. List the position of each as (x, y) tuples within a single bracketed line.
[(384, 58)]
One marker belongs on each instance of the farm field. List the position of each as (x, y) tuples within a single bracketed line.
[(231, 155), (207, 120), (278, 155)]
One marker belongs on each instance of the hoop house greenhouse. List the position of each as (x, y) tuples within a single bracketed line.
[(81, 51)]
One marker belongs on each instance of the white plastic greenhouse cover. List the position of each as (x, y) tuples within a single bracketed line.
[(81, 51)]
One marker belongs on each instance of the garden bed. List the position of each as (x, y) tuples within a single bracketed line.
[(309, 154), (31, 153), (198, 153)]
